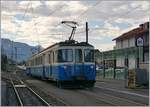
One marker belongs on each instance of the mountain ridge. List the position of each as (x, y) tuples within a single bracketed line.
[(18, 51)]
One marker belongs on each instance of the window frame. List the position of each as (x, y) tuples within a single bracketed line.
[(85, 57), (81, 61), (50, 57), (57, 52)]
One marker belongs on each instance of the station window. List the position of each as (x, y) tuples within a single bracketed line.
[(64, 55), (78, 55), (88, 55)]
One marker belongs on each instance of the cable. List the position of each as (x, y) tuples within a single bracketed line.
[(26, 10), (54, 12), (48, 15), (126, 13), (110, 19), (36, 30), (12, 53), (87, 9)]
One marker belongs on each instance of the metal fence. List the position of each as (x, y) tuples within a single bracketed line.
[(109, 74)]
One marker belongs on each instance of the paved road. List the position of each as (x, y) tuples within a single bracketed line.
[(99, 96), (118, 85)]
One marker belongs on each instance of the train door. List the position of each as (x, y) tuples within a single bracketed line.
[(78, 69), (50, 62)]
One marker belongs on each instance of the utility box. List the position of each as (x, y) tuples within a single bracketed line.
[(142, 77)]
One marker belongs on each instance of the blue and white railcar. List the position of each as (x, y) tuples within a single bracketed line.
[(66, 63)]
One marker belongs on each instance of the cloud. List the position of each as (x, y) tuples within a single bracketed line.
[(42, 21)]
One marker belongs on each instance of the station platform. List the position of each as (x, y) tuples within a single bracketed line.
[(119, 85)]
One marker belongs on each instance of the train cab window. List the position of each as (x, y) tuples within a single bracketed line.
[(78, 55), (64, 55), (89, 55)]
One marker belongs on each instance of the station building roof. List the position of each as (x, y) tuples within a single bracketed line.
[(143, 28)]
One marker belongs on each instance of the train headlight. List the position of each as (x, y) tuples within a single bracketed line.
[(91, 67), (64, 67)]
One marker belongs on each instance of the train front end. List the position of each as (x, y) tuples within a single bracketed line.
[(77, 66)]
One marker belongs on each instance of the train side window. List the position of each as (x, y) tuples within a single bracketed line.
[(78, 55), (36, 60), (53, 57), (39, 60), (43, 59), (50, 57)]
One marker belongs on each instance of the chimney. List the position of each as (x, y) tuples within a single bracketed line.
[(145, 25)]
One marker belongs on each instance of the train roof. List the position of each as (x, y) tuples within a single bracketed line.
[(67, 43), (73, 43)]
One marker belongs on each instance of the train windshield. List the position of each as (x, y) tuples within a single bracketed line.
[(89, 55), (78, 55), (65, 55)]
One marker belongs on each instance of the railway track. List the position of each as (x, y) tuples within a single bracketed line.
[(27, 96), (20, 85), (57, 99)]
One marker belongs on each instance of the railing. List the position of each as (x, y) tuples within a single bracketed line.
[(120, 74), (109, 74)]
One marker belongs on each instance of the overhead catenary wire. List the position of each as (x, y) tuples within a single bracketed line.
[(12, 53), (36, 29), (91, 29), (26, 9), (91, 7), (126, 13), (110, 19), (35, 24), (54, 11), (83, 13), (51, 14)]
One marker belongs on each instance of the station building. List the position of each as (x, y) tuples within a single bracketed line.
[(130, 41), (131, 51)]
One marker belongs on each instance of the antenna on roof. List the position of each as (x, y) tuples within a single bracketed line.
[(73, 25)]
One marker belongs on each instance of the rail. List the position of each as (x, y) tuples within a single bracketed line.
[(23, 85)]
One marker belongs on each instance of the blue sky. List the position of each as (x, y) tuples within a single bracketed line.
[(32, 21), (94, 24), (20, 17)]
